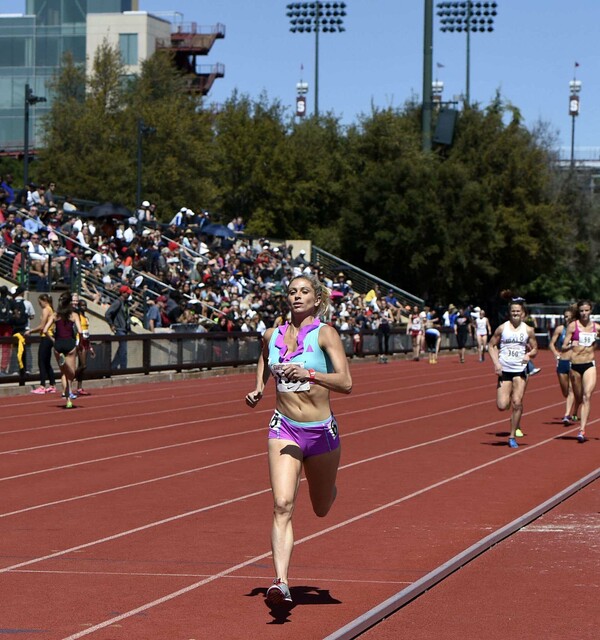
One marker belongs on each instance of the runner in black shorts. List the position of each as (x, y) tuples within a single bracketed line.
[(580, 341), (511, 347), (67, 327)]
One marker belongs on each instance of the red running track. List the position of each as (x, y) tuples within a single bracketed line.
[(145, 512), (541, 582)]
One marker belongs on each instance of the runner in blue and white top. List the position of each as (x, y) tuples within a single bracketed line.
[(511, 347), (307, 359)]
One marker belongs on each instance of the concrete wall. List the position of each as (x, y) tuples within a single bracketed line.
[(108, 26)]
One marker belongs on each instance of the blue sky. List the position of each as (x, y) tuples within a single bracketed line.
[(530, 57)]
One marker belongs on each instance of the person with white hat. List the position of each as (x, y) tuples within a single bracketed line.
[(179, 219), (144, 215)]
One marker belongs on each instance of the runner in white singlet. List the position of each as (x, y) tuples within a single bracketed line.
[(482, 331), (511, 347)]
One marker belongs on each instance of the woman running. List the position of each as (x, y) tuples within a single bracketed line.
[(580, 339), (415, 329), (307, 360), (47, 377), (563, 366), (482, 331), (67, 327), (511, 347)]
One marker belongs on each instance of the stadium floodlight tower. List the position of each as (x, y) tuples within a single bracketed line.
[(470, 17), (574, 89), (314, 17)]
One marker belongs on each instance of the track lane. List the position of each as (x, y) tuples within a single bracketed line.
[(365, 482)]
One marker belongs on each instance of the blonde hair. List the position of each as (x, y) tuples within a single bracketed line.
[(322, 293)]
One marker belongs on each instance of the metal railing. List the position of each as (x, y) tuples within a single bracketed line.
[(362, 281), (178, 352)]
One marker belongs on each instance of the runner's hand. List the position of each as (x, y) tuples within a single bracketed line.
[(253, 398)]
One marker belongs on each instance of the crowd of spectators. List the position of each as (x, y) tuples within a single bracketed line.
[(189, 272)]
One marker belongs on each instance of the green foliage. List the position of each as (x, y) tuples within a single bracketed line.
[(461, 223)]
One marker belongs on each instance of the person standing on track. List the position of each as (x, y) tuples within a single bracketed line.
[(45, 348), (67, 327), (84, 348), (307, 360), (462, 325), (511, 347), (580, 340), (563, 366)]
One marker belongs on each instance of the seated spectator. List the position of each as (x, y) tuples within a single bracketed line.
[(33, 223), (36, 249), (49, 195), (152, 319), (59, 258), (68, 206), (103, 259), (237, 225)]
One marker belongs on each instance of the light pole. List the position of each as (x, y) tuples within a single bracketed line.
[(574, 88), (314, 17), (142, 129), (427, 76), (469, 17), (29, 100)]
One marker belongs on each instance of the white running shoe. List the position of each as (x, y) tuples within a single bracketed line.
[(278, 593)]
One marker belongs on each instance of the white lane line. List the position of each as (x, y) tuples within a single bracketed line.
[(87, 421), (213, 419), (144, 527), (318, 534), (251, 495), (148, 574), (181, 444), (383, 610), (228, 435), (131, 485), (90, 404), (353, 433)]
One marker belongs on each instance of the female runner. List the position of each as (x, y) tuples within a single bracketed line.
[(482, 331), (67, 326), (580, 339), (415, 329), (563, 366), (307, 360), (511, 347)]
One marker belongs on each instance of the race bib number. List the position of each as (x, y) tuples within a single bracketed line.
[(333, 427), (287, 386), (514, 354), (587, 339), (275, 423)]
